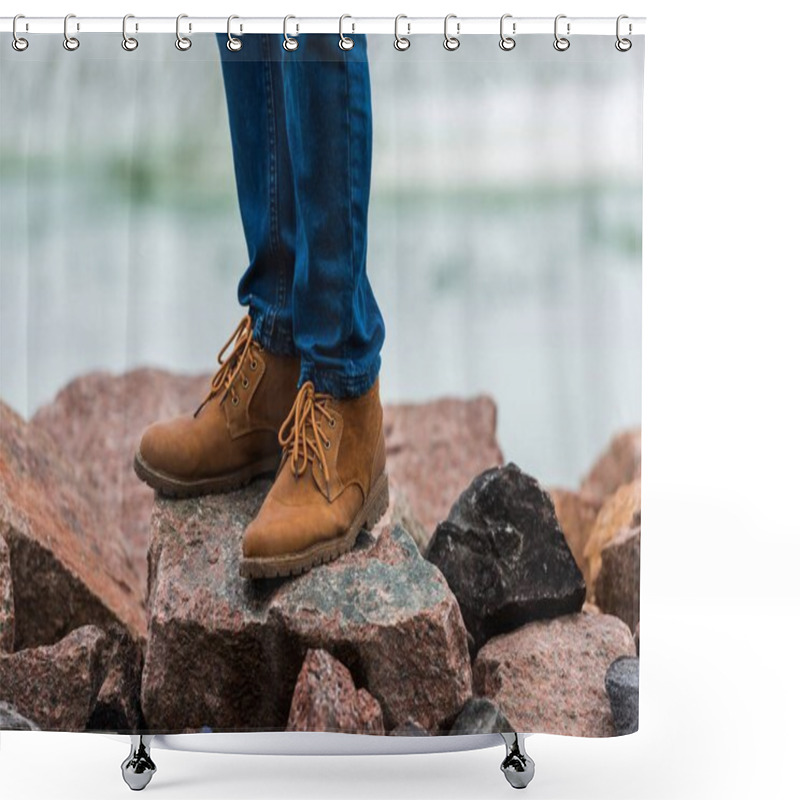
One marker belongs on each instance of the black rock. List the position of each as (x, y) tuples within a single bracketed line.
[(622, 687), (481, 715), (504, 555), (12, 720)]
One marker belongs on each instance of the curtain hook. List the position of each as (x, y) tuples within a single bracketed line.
[(233, 44), (623, 45), (70, 42), (181, 42), (507, 42), (400, 42), (345, 42), (451, 42), (288, 42), (128, 42), (561, 43), (18, 43)]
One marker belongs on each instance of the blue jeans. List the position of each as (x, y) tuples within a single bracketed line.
[(301, 132)]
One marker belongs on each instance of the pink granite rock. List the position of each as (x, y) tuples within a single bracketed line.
[(391, 618), (326, 699), (75, 684), (617, 585), (620, 463), (68, 564), (6, 600), (224, 652), (549, 676), (97, 420), (435, 449)]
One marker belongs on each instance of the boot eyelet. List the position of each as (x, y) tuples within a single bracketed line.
[(234, 400), (327, 444), (254, 365), (245, 383), (332, 423)]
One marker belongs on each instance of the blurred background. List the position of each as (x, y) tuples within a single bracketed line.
[(504, 238)]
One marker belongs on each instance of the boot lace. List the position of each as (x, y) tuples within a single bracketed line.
[(231, 366), (301, 434)]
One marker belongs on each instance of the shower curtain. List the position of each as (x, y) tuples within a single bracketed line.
[(489, 202)]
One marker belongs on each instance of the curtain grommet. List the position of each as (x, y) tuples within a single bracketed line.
[(233, 44), (345, 42), (70, 43), (561, 43), (507, 42), (451, 43), (289, 44), (401, 43), (623, 44), (183, 43), (17, 42)]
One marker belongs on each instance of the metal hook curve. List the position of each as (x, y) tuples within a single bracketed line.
[(17, 42), (289, 43), (181, 42), (506, 42), (128, 42), (401, 42), (233, 44), (561, 43), (623, 45), (450, 42), (345, 42), (70, 43)]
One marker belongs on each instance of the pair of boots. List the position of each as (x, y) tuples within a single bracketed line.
[(328, 456)]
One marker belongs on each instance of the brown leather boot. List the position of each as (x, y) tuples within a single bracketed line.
[(331, 483), (232, 437)]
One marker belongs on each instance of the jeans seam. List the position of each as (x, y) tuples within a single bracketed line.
[(272, 323), (351, 292)]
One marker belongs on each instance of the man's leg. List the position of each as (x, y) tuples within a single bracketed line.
[(254, 91), (338, 327), (232, 436), (332, 481)]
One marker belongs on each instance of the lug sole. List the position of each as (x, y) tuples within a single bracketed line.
[(171, 486), (322, 552)]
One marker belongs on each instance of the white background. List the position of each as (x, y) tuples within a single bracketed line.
[(720, 606)]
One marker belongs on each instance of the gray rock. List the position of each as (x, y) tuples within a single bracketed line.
[(622, 686), (481, 715), (12, 720), (504, 555), (6, 600)]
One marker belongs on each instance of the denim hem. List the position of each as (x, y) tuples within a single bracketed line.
[(270, 334), (331, 381)]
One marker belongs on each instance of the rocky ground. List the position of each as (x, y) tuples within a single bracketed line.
[(481, 602)]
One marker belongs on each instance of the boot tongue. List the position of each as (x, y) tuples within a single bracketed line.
[(309, 484)]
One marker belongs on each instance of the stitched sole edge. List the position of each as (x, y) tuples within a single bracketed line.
[(170, 486), (322, 552)]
